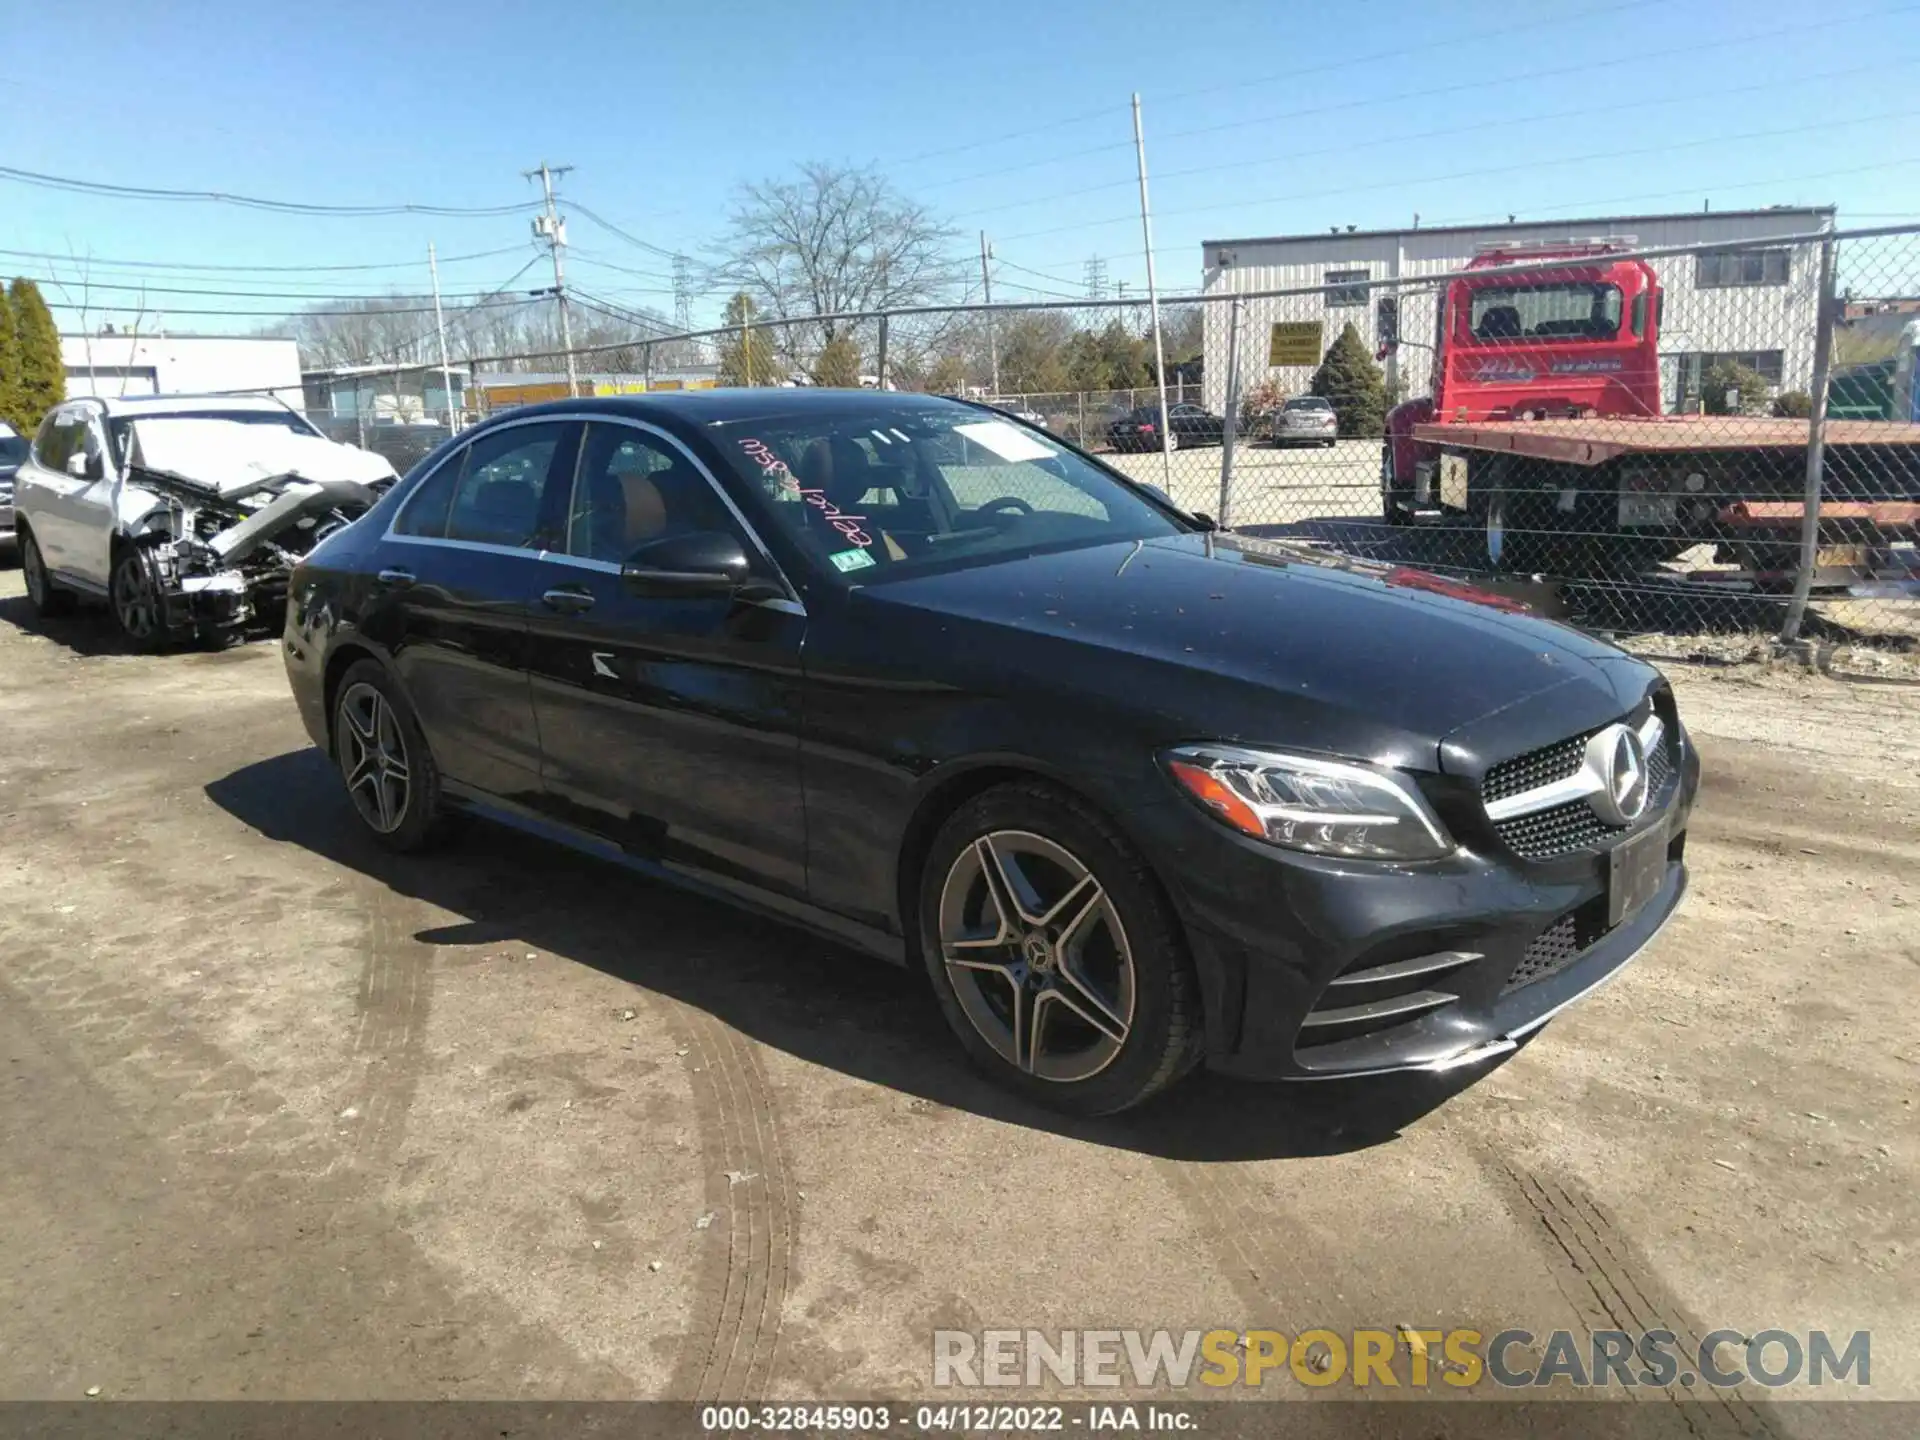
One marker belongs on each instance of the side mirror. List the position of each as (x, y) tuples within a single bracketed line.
[(702, 562)]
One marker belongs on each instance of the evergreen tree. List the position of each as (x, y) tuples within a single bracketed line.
[(838, 364), (1348, 377), (1726, 379), (43, 375), (12, 406), (747, 358)]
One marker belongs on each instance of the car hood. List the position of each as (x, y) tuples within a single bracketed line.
[(233, 458), (1235, 638)]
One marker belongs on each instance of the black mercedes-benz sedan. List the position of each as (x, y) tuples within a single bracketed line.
[(1135, 793)]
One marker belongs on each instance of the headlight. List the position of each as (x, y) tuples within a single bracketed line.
[(1325, 807)]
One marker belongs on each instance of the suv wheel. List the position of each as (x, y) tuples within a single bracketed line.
[(47, 599), (139, 607), (1054, 954), (383, 758)]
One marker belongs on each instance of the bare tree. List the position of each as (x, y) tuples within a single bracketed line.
[(832, 240)]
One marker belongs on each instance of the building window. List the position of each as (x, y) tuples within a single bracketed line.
[(1347, 287), (1724, 269)]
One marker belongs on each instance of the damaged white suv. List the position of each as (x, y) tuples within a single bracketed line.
[(185, 513)]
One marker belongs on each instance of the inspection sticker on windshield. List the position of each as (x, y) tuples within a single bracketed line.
[(1009, 442), (845, 560)]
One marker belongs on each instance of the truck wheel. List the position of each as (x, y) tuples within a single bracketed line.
[(1515, 529), (49, 601)]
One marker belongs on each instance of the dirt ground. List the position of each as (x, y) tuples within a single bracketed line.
[(284, 1116)]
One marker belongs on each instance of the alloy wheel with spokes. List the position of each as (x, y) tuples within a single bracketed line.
[(136, 602), (373, 758), (1037, 955)]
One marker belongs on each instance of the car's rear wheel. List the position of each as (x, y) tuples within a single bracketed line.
[(384, 761), (48, 600), (139, 607), (1055, 956)]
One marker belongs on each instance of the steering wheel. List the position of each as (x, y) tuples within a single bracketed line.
[(1007, 502)]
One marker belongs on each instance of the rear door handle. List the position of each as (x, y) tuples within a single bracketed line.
[(393, 575), (568, 599)]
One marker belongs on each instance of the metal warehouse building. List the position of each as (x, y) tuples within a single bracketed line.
[(1754, 307)]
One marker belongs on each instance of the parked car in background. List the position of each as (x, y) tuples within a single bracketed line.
[(1306, 420), (185, 513), (1142, 428), (13, 450), (1212, 798), (1019, 411)]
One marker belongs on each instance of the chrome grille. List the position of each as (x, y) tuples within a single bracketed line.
[(1529, 772), (1547, 834), (1572, 827)]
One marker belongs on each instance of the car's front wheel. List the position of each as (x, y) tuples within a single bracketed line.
[(383, 758), (1054, 953), (48, 600), (139, 607)]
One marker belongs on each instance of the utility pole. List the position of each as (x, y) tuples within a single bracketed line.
[(551, 228), (1153, 302), (986, 286), (440, 325), (682, 295)]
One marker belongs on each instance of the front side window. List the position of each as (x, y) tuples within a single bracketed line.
[(1548, 312), (503, 485), (890, 489), (633, 487)]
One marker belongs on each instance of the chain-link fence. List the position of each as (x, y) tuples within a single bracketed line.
[(1692, 440)]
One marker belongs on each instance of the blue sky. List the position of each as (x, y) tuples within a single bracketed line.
[(1261, 119)]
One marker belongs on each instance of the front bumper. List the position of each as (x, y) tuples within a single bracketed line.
[(1272, 930)]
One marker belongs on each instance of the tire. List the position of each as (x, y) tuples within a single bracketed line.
[(49, 601), (1114, 994), (134, 596), (373, 726)]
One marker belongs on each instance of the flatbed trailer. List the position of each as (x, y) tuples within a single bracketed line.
[(1603, 494)]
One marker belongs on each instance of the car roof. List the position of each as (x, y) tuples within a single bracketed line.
[(721, 406), (171, 404)]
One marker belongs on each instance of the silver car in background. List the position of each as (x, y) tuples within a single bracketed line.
[(1305, 420)]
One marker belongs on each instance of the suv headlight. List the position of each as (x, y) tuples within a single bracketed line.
[(1325, 807)]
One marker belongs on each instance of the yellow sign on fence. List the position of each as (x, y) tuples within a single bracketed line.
[(1294, 342)]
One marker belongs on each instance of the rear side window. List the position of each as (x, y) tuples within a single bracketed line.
[(425, 511)]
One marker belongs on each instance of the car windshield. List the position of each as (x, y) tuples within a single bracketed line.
[(889, 490), (1574, 311), (13, 450), (121, 426)]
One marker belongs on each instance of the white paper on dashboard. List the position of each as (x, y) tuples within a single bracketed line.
[(1009, 442)]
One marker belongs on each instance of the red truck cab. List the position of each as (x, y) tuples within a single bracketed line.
[(1578, 337)]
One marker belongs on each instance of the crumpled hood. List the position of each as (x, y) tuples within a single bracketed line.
[(231, 457)]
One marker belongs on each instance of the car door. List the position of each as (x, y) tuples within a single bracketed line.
[(49, 494), (669, 725), (455, 577)]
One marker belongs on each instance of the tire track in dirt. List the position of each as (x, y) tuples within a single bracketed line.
[(1252, 1249), (742, 1291), (393, 997), (1610, 1286)]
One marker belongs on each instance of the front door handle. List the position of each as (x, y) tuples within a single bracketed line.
[(394, 575), (568, 599)]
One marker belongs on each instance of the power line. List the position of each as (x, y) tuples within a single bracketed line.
[(251, 202), (1532, 164), (613, 229), (185, 267), (91, 284), (1583, 68), (1505, 123)]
